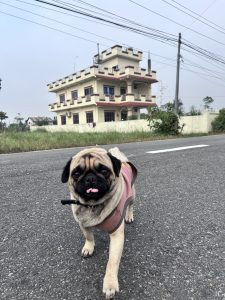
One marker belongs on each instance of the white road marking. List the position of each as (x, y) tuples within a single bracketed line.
[(177, 149)]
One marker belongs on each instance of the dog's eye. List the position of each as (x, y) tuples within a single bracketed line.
[(104, 171), (76, 174)]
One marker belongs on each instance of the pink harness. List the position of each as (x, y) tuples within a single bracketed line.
[(113, 221)]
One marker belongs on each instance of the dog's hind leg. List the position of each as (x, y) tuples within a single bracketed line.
[(110, 284), (89, 245)]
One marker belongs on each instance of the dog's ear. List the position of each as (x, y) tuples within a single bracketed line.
[(116, 164), (66, 172)]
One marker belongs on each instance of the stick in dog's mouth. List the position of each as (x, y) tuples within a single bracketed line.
[(64, 202)]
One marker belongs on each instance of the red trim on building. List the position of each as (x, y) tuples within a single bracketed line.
[(127, 104), (124, 77)]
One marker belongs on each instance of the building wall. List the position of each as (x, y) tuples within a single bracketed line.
[(79, 87), (100, 85), (193, 124), (98, 88), (82, 115), (98, 114), (122, 62)]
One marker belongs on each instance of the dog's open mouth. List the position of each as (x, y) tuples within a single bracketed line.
[(92, 190)]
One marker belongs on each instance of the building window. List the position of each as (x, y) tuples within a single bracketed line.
[(62, 98), (123, 115), (123, 90), (109, 116), (88, 91), (74, 95), (115, 68), (63, 120), (108, 90), (89, 117), (75, 118)]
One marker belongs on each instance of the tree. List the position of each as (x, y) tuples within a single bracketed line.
[(218, 124), (170, 106), (55, 121), (207, 102), (42, 122), (3, 116), (194, 111), (18, 119)]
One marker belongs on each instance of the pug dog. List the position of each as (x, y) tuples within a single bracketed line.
[(101, 185)]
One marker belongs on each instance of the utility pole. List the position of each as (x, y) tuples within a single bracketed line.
[(0, 83), (177, 76), (149, 63), (98, 54)]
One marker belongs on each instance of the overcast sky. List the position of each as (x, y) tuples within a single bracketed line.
[(33, 55)]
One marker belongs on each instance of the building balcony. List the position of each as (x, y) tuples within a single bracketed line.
[(105, 100), (129, 72)]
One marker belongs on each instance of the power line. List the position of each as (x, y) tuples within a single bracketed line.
[(51, 19), (203, 52), (49, 27), (158, 36), (216, 77), (59, 22), (194, 64), (110, 14), (97, 35), (95, 7), (162, 38), (61, 31), (162, 16), (196, 18), (200, 75), (200, 16)]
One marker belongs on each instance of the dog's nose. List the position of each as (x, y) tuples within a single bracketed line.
[(90, 179)]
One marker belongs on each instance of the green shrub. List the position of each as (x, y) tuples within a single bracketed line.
[(40, 130), (133, 117), (219, 123), (164, 122), (13, 127)]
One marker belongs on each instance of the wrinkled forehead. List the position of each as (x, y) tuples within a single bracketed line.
[(90, 160)]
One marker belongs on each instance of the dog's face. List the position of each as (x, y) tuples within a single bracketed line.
[(91, 174)]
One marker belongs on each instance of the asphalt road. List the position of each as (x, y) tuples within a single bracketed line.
[(175, 249)]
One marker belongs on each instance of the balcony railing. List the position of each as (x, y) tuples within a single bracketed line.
[(92, 99), (100, 71)]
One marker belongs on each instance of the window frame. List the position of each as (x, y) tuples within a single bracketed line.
[(91, 120), (108, 90), (77, 116), (62, 96), (76, 92), (63, 120), (123, 88), (89, 89), (108, 118)]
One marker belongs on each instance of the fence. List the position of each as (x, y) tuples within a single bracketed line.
[(193, 124)]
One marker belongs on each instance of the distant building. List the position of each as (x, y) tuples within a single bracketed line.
[(115, 88), (38, 121)]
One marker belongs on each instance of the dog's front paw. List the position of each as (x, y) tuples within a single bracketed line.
[(129, 217), (110, 287), (88, 249)]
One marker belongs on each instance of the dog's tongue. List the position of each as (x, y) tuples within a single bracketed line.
[(92, 190)]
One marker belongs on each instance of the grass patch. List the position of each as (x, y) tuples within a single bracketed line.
[(40, 140)]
